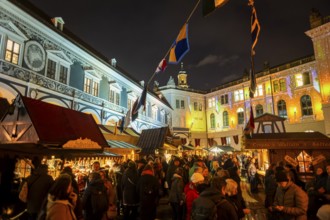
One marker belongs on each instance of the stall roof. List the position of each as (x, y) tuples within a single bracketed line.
[(47, 124), (152, 139), (122, 144), (224, 148), (289, 140)]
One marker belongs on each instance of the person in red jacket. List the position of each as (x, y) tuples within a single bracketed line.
[(191, 192)]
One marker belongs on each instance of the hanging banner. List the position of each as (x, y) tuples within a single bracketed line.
[(290, 160)]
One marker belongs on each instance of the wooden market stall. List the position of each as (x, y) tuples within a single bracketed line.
[(303, 150)]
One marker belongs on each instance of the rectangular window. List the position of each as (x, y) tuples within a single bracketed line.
[(282, 85), (177, 103), (224, 99), (200, 107), (195, 106), (95, 89), (302, 79), (182, 104), (275, 86), (112, 96), (87, 85), (259, 91), (12, 51), (117, 98), (63, 74), (51, 69), (238, 95)]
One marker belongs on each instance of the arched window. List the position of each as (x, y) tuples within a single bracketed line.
[(212, 120), (240, 116), (306, 105), (259, 110), (281, 108), (225, 119)]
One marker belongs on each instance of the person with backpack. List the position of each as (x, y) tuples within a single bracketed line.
[(177, 196), (95, 199), (61, 200), (212, 204), (38, 185), (148, 187)]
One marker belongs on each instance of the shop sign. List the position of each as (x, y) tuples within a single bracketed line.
[(81, 144), (318, 159), (290, 160)]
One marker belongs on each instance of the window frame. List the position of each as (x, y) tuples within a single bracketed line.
[(305, 108), (59, 63), (280, 109), (225, 119)]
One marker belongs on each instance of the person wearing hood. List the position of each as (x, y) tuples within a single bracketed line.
[(96, 185), (290, 200), (61, 199), (176, 195), (191, 191), (147, 188)]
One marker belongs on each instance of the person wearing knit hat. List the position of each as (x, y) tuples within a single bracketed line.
[(191, 191), (197, 178), (290, 201)]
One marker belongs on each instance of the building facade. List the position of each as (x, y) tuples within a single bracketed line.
[(40, 59)]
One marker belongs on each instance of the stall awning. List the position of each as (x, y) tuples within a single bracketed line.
[(122, 145)]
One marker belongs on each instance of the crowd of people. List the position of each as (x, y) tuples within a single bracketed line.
[(196, 187)]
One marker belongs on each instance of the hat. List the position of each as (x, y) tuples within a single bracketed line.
[(131, 164), (197, 177), (281, 177)]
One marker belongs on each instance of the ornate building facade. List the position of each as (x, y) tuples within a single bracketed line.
[(39, 58)]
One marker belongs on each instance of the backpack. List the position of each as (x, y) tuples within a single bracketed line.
[(204, 208), (99, 200)]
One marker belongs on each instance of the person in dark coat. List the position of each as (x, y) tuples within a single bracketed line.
[(119, 171), (95, 184), (147, 188), (130, 196), (38, 184), (174, 164), (270, 185), (216, 193), (176, 196)]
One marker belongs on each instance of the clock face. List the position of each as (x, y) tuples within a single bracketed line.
[(34, 56)]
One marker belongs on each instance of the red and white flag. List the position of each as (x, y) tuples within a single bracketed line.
[(161, 66)]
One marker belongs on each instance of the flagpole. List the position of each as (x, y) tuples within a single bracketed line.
[(168, 51)]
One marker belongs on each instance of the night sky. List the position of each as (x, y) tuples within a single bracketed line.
[(139, 34)]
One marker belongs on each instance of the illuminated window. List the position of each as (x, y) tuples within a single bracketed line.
[(225, 119), (240, 116), (88, 85), (281, 108), (211, 102), (12, 51), (306, 105), (259, 91), (304, 162), (302, 79), (212, 120), (95, 89), (282, 85), (259, 110), (275, 86), (238, 95)]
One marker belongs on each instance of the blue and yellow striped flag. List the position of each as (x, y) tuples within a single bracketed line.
[(180, 46)]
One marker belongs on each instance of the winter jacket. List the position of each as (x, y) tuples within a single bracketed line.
[(38, 185), (59, 209), (225, 209), (129, 182), (176, 194), (191, 194), (148, 188), (294, 200)]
